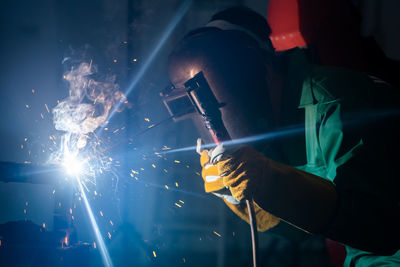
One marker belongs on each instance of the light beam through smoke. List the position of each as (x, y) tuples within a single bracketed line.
[(102, 246), (164, 37), (245, 140), (85, 109)]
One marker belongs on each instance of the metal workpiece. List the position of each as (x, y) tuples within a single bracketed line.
[(11, 172)]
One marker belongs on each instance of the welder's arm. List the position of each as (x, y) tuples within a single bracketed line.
[(302, 199), (297, 197), (356, 211), (362, 208), (367, 216)]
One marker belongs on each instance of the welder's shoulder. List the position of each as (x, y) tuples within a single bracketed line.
[(354, 88), (342, 84)]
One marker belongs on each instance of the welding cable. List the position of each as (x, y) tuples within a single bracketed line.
[(253, 230)]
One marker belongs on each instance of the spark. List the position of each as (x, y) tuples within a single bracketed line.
[(154, 254), (217, 234), (65, 241)]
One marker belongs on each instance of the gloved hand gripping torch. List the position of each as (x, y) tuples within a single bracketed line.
[(205, 103)]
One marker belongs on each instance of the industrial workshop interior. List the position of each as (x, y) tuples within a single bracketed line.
[(200, 133)]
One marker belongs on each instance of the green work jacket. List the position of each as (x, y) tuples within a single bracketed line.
[(351, 123)]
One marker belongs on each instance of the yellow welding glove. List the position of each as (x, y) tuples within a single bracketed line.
[(245, 172), (212, 178), (264, 219), (214, 173)]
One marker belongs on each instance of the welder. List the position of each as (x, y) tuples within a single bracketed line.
[(330, 168)]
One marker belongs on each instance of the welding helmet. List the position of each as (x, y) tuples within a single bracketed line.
[(230, 54)]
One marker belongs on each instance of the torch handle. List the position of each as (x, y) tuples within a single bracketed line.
[(250, 208)]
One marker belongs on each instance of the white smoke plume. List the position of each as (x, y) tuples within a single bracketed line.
[(89, 101), (88, 104), (85, 109)]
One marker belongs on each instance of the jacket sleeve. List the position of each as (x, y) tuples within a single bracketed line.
[(367, 214)]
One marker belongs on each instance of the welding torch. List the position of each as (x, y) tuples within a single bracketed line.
[(206, 104)]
